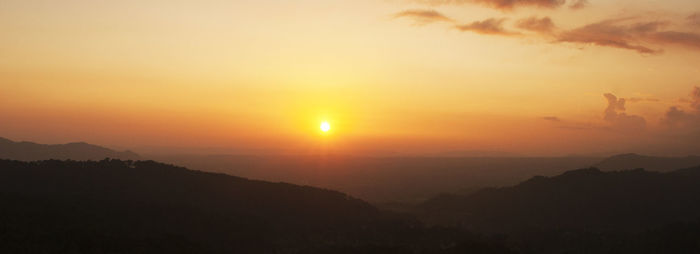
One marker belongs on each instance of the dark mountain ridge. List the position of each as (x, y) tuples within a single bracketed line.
[(585, 199), (652, 163), (29, 151), (114, 206), (384, 179)]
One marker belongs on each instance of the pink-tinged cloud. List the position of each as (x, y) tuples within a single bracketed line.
[(610, 33), (579, 4), (506, 4), (690, 40), (551, 118), (543, 25), (616, 116), (694, 20), (695, 98), (680, 119), (637, 99), (644, 37), (635, 36), (490, 26), (422, 17)]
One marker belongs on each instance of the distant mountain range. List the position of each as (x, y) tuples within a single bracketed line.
[(28, 151), (586, 199), (652, 163), (384, 179), (376, 179)]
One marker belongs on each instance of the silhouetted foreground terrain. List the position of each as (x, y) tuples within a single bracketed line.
[(586, 199), (114, 206), (28, 151)]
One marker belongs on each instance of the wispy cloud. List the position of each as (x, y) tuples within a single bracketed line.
[(637, 99), (690, 40), (543, 25), (422, 17), (579, 4), (507, 4), (490, 26), (637, 34), (610, 33), (551, 118), (694, 20)]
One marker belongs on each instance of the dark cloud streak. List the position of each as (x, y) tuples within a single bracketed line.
[(644, 37), (636, 99), (579, 4), (506, 5), (422, 17), (690, 40), (490, 26), (551, 118), (543, 25), (694, 20), (610, 33)]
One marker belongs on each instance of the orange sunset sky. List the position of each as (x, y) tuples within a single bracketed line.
[(421, 77)]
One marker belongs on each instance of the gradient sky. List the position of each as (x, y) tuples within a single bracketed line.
[(536, 77)]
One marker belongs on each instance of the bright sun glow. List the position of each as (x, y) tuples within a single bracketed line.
[(325, 126)]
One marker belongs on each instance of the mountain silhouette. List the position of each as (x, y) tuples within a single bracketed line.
[(652, 163), (585, 199), (382, 180), (114, 206), (29, 151)]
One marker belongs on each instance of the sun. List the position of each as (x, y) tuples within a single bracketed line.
[(325, 126)]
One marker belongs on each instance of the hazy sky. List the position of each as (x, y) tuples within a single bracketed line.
[(532, 77)]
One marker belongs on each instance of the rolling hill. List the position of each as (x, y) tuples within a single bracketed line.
[(652, 163), (29, 151), (114, 206), (585, 199)]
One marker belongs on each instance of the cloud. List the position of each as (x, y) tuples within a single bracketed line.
[(504, 4), (579, 4), (551, 118), (691, 40), (614, 105), (539, 25), (678, 118), (610, 33), (490, 26), (635, 36), (694, 20), (644, 37), (637, 99), (615, 115), (677, 133), (695, 98), (422, 17), (511, 4)]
